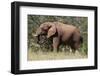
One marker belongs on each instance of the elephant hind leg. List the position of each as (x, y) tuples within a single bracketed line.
[(75, 47)]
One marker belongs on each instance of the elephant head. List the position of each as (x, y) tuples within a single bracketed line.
[(47, 29)]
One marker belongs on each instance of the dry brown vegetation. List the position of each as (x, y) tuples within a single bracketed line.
[(54, 55)]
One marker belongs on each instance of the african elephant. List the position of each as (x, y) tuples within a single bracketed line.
[(61, 34)]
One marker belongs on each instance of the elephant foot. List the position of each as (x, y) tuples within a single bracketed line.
[(73, 51), (70, 50), (77, 52), (54, 53), (55, 50)]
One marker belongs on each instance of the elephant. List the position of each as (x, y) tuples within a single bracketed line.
[(60, 33)]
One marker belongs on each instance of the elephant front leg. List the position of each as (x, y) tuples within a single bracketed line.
[(55, 44)]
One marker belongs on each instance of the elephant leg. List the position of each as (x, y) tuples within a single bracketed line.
[(75, 47), (70, 50), (55, 44), (76, 41)]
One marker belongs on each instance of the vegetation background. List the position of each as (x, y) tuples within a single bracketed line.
[(34, 22)]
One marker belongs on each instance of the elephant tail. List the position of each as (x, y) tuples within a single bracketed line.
[(81, 39)]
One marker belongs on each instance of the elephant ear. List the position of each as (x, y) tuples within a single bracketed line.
[(51, 31)]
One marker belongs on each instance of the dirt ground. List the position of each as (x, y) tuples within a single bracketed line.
[(54, 55)]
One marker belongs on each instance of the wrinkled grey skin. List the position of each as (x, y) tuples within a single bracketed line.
[(60, 34)]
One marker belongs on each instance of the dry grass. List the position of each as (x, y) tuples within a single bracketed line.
[(54, 55)]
